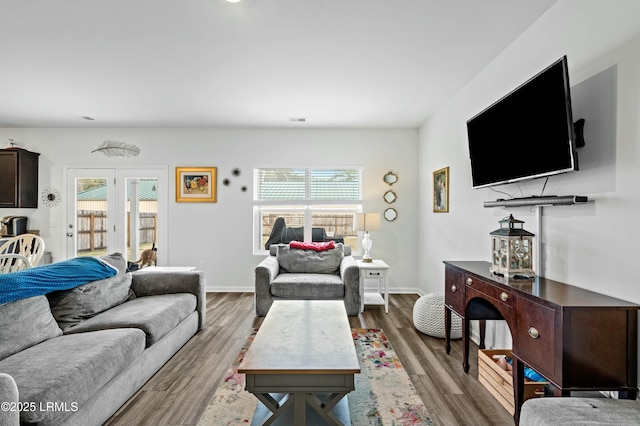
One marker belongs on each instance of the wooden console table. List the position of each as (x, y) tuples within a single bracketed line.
[(577, 339)]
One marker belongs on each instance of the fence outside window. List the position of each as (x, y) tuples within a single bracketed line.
[(92, 232)]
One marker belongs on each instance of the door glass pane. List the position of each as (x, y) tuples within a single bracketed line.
[(142, 216), (91, 216)]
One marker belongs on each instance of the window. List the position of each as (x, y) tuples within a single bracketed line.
[(324, 199)]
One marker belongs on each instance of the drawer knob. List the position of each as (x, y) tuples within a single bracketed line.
[(469, 281), (454, 288), (504, 296), (534, 333)]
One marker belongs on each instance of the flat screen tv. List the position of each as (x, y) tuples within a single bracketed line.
[(529, 133)]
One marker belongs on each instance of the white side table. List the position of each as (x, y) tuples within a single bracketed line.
[(376, 270)]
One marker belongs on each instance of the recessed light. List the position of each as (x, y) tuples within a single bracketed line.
[(233, 1)]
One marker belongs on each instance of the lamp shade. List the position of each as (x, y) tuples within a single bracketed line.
[(367, 222)]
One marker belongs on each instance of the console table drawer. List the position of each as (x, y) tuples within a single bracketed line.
[(535, 331), (493, 291), (454, 290)]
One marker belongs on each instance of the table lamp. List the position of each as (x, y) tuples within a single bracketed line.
[(367, 222)]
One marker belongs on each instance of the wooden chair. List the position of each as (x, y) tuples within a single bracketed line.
[(28, 245), (13, 263)]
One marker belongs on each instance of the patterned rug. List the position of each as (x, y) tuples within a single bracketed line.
[(384, 394)]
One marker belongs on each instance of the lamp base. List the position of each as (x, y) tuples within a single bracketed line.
[(366, 245)]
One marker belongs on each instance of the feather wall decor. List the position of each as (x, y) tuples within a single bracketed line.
[(117, 149)]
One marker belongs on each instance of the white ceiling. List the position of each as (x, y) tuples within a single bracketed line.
[(209, 63)]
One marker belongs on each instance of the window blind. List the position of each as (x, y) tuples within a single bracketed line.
[(278, 184)]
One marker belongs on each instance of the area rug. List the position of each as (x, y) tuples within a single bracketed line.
[(384, 394)]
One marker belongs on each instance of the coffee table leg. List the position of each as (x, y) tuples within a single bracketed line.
[(330, 409), (268, 401), (300, 408), (276, 408), (325, 409)]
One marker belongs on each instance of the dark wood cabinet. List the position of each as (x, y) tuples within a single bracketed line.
[(577, 339), (18, 178)]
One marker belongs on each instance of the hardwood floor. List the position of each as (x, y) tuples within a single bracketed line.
[(179, 393)]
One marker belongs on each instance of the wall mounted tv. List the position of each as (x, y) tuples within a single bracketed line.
[(529, 133)]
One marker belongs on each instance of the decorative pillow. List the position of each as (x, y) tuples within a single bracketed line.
[(309, 261), (328, 245), (116, 260), (25, 323), (71, 307)]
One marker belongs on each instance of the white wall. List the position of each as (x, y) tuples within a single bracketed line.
[(594, 245), (220, 234)]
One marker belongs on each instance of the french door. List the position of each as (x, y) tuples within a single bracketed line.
[(116, 210)]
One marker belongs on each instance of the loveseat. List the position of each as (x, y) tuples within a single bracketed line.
[(295, 273), (75, 356)]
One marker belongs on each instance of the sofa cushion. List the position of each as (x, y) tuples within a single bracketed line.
[(69, 370), (307, 286), (71, 307), (155, 315), (309, 261), (25, 323)]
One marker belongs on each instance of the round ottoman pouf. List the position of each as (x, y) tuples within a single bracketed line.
[(428, 317)]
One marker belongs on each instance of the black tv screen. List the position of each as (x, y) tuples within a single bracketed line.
[(527, 134)]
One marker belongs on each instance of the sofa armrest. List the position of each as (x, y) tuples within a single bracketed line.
[(266, 272), (9, 395), (350, 274), (147, 282)]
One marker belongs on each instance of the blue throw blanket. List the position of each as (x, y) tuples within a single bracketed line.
[(56, 276)]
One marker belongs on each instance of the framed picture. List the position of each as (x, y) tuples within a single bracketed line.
[(196, 184), (441, 190)]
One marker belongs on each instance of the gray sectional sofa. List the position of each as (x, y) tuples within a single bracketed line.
[(74, 357), (295, 274)]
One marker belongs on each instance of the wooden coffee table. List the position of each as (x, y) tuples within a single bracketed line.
[(301, 364)]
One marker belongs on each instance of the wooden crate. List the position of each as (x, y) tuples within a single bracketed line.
[(499, 382)]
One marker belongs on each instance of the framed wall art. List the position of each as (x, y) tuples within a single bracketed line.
[(196, 184), (441, 190)]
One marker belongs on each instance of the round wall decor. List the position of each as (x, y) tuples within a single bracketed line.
[(390, 214), (50, 197)]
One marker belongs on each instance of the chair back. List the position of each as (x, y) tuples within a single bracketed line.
[(13, 263), (28, 245)]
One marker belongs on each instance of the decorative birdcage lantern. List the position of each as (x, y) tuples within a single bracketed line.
[(512, 249)]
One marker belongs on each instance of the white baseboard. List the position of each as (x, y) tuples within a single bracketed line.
[(406, 290), (236, 289)]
